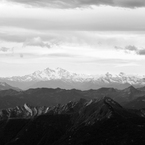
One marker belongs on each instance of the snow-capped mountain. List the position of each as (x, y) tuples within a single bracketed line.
[(64, 79), (50, 74)]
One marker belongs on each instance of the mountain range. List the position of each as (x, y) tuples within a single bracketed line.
[(51, 97), (84, 110), (55, 116), (98, 121), (54, 78)]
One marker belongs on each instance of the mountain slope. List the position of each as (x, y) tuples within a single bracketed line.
[(138, 103), (5, 86), (141, 89), (76, 123)]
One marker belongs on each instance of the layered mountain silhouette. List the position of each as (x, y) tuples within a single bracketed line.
[(54, 78), (79, 112), (98, 121), (5, 86), (51, 97)]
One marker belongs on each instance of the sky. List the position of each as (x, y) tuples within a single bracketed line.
[(82, 36)]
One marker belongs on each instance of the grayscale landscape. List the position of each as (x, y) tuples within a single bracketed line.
[(72, 72)]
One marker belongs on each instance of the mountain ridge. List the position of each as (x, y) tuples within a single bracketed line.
[(53, 78), (51, 97), (83, 122)]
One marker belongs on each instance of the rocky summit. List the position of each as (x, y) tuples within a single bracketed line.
[(85, 122)]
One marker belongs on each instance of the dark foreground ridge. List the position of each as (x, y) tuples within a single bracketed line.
[(94, 122)]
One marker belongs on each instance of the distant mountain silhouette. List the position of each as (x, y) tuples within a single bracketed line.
[(52, 97), (5, 86)]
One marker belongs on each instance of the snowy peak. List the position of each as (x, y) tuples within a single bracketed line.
[(123, 79), (51, 74), (74, 79)]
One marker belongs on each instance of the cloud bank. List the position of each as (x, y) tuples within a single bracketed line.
[(81, 3), (37, 41), (4, 49), (131, 48), (141, 52)]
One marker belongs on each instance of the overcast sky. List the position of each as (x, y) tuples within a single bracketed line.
[(83, 36)]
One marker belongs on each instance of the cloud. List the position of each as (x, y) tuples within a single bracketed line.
[(118, 48), (63, 55), (127, 49), (63, 3), (130, 49), (127, 64), (4, 49), (81, 3), (37, 41), (141, 52), (21, 55)]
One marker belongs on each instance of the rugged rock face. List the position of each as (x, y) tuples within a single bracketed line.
[(101, 122), (25, 111)]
